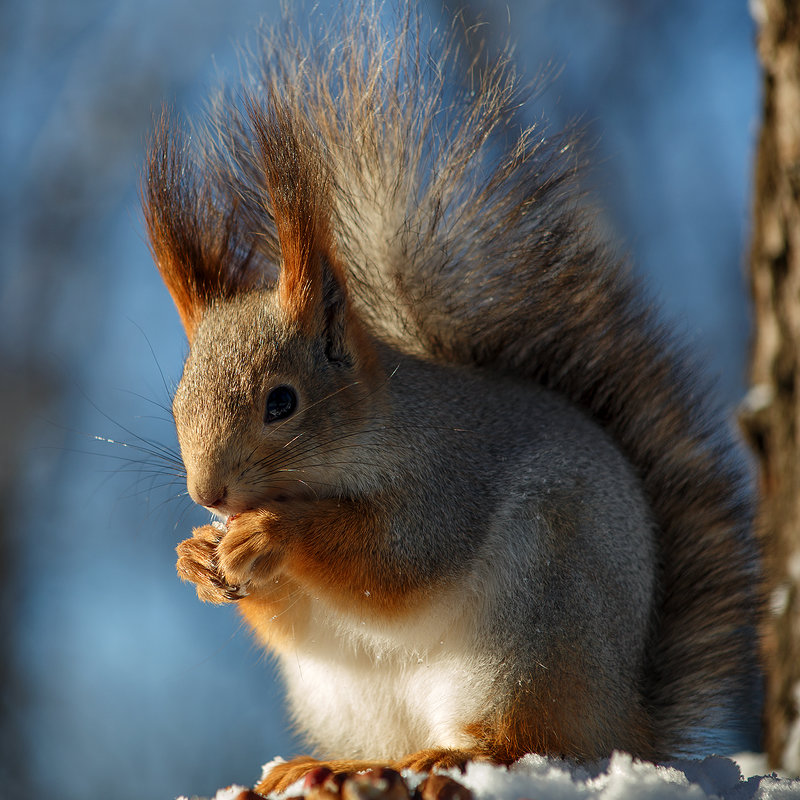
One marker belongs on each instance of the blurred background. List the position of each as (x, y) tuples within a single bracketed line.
[(115, 681)]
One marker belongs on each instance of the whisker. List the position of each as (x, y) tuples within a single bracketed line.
[(167, 391), (316, 495), (147, 447), (146, 399), (293, 440), (128, 431), (276, 428), (137, 492)]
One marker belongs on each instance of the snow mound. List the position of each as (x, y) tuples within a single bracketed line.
[(619, 778), (623, 778)]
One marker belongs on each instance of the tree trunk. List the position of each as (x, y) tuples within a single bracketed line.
[(772, 416)]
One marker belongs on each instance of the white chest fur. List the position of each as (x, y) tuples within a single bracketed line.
[(364, 690)]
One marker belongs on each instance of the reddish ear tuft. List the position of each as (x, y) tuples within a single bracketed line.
[(195, 237), (298, 183)]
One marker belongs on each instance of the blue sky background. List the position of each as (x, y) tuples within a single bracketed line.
[(116, 680)]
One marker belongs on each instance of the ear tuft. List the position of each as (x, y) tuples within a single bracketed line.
[(311, 287), (195, 236)]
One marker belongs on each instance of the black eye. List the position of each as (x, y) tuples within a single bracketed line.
[(281, 403)]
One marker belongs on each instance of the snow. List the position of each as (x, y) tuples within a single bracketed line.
[(228, 793), (791, 748), (619, 778)]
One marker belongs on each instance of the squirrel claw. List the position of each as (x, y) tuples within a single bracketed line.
[(229, 591), (247, 553), (197, 564)]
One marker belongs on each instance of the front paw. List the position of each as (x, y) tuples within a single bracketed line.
[(249, 554), (197, 563)]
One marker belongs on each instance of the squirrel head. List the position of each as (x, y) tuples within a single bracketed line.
[(278, 375)]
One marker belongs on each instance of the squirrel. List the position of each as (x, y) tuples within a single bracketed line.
[(469, 488)]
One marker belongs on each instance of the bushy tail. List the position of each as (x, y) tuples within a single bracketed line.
[(466, 239)]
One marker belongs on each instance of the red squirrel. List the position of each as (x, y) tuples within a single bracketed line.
[(469, 488)]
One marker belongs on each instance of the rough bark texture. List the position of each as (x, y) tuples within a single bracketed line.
[(772, 416)]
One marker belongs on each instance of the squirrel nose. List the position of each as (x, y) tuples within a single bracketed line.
[(208, 496)]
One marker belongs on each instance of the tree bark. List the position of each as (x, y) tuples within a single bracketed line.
[(772, 415)]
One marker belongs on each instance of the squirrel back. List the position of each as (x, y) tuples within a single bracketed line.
[(454, 248)]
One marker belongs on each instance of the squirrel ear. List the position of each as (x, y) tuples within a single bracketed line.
[(311, 288), (312, 291), (335, 310), (195, 234)]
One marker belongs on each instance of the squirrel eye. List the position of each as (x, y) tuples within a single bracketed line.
[(281, 403)]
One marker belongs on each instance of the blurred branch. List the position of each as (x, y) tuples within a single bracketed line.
[(772, 416)]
